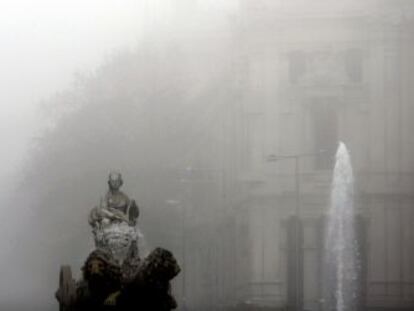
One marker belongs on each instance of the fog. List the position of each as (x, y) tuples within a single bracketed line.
[(200, 105)]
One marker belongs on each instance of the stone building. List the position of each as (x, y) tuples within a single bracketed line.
[(306, 76)]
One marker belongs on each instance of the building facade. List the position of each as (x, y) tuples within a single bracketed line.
[(305, 77)]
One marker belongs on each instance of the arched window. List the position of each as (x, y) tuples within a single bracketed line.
[(353, 65), (325, 131), (297, 66)]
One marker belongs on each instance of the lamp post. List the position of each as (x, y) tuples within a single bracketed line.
[(295, 291)]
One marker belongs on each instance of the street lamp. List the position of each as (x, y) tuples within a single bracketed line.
[(297, 298)]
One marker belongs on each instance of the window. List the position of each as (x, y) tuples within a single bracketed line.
[(325, 131), (255, 140), (297, 66), (353, 65)]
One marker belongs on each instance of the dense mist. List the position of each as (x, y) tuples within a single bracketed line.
[(192, 115), (135, 113)]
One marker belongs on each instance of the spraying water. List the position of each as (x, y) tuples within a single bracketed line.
[(341, 247)]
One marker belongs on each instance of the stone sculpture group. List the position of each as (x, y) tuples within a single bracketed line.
[(114, 276)]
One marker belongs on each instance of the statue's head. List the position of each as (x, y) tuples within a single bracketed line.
[(115, 180)]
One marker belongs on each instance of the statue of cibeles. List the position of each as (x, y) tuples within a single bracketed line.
[(114, 220), (115, 277), (115, 206)]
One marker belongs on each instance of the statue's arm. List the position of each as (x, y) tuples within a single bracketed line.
[(94, 216)]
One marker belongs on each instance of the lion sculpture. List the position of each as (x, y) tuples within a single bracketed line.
[(150, 289), (141, 285), (101, 277)]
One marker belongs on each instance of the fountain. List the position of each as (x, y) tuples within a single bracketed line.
[(341, 256), (115, 276)]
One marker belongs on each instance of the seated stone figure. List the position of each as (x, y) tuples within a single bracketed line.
[(116, 205), (113, 222)]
